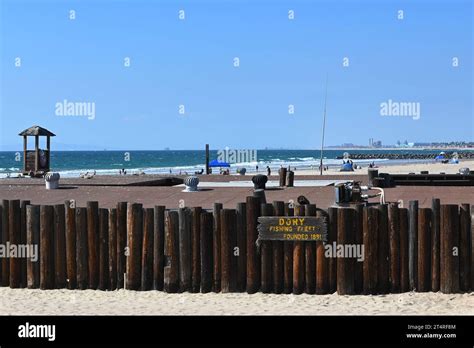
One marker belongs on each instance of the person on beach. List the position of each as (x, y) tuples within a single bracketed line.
[(256, 168), (269, 171)]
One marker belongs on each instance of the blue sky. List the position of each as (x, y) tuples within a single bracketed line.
[(190, 62)]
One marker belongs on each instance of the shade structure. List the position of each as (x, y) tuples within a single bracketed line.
[(216, 163)]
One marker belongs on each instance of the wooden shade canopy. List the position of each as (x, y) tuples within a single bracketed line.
[(36, 161)]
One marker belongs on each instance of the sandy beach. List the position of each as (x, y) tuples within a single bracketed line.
[(404, 168), (125, 302)]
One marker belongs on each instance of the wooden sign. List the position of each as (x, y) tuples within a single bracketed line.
[(292, 228)]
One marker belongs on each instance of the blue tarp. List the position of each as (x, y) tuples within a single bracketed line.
[(216, 163), (347, 167)]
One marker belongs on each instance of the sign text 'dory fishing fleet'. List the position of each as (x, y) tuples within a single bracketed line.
[(295, 228)]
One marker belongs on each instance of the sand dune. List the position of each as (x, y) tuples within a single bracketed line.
[(124, 302)]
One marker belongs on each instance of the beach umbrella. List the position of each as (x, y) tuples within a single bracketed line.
[(216, 163)]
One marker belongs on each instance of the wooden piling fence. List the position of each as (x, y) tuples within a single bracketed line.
[(420, 248)]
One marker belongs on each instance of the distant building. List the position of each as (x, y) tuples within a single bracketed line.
[(377, 143)]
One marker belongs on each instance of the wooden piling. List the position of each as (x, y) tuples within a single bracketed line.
[(23, 261), (33, 238), (216, 239), (449, 244), (1, 229), (185, 267), (134, 245), (412, 245), (370, 235), (298, 259), (147, 249), (472, 247), (93, 242), (383, 251), (121, 243), (359, 241), (158, 247), (310, 257), (266, 284), (253, 259), (60, 246), (277, 253), (228, 228), (171, 270), (103, 249), (332, 238), (242, 245), (14, 227), (196, 249), (5, 238), (464, 247), (282, 176), (345, 265), (290, 178), (404, 225), (394, 241), (46, 247), (435, 245), (206, 247), (288, 257), (112, 248), (322, 262), (424, 249), (81, 249), (70, 236)]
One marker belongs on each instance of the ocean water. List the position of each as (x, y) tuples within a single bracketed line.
[(72, 163)]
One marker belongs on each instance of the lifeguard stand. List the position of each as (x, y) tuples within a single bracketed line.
[(36, 161)]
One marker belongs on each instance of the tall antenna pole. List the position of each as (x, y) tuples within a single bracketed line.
[(324, 127)]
